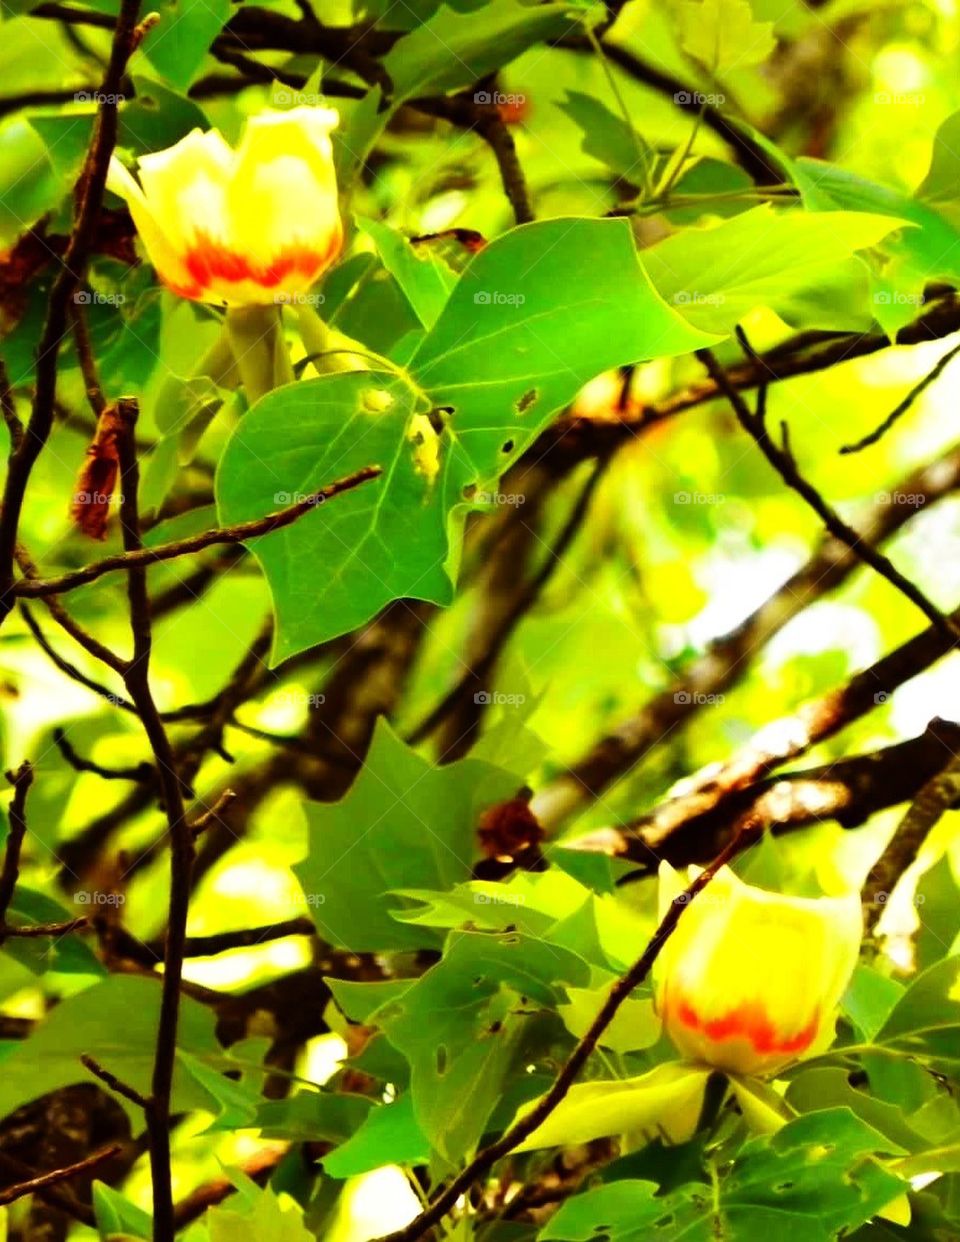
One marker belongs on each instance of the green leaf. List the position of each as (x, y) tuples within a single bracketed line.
[(115, 1214), (869, 998), (403, 824), (359, 1000), (809, 1181), (261, 1214), (933, 1160), (67, 954), (722, 34), (926, 1020), (313, 1116), (761, 1105), (447, 51), (908, 259), (424, 278), (940, 188), (177, 45), (236, 1103), (668, 1101), (30, 186), (499, 362), (830, 1087), (115, 1022), (607, 137), (791, 261), (938, 900), (388, 1135), (462, 1023)]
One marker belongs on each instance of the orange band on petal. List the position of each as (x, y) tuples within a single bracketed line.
[(209, 262), (748, 1021)]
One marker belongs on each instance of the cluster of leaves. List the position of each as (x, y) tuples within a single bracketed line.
[(455, 959)]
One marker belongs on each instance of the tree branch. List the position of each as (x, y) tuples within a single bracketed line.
[(73, 265), (726, 659), (137, 680), (848, 790)]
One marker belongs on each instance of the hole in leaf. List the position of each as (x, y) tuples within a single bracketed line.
[(528, 399), (441, 1059), (469, 491), (506, 446), (782, 1187)]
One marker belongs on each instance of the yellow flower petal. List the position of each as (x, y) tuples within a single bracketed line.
[(750, 980), (251, 227)]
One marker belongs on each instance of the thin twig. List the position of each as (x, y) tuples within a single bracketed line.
[(21, 780), (88, 364), (20, 1189), (213, 814), (137, 772), (525, 1126), (247, 937), (36, 931), (61, 1197), (67, 668), (92, 645), (898, 412), (781, 458), (114, 1083), (141, 556)]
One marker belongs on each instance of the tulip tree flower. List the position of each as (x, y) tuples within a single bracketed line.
[(750, 980), (247, 227)]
